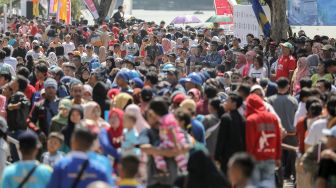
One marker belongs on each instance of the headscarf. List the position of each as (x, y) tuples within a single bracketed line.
[(122, 100), (166, 44), (102, 54), (64, 103), (196, 93), (241, 61), (67, 130), (91, 110), (134, 111), (99, 95), (247, 66), (52, 59), (116, 134), (302, 70)]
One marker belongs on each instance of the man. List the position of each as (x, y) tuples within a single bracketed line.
[(327, 52), (231, 134), (241, 166), (154, 50), (151, 79), (128, 172), (77, 92), (119, 16), (68, 45), (5, 77), (323, 85), (35, 52), (149, 139), (263, 139), (41, 74), (327, 166), (8, 59), (286, 62), (44, 110), (122, 80), (90, 55), (28, 172), (285, 106), (69, 69), (213, 58), (21, 50), (78, 168)]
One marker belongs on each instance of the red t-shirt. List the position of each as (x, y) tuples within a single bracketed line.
[(33, 30), (30, 90), (285, 64)]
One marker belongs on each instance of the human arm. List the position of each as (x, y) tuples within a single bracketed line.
[(150, 150), (106, 145)]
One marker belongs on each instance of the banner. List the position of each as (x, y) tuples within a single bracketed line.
[(92, 8), (222, 7), (261, 17), (64, 11), (312, 12)]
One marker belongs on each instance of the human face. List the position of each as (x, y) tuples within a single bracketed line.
[(3, 81), (320, 68), (92, 80), (7, 91), (85, 75), (320, 86), (152, 118), (68, 71), (114, 121), (285, 51), (75, 117), (234, 174), (39, 75), (189, 85), (77, 91), (53, 145), (129, 121), (15, 86), (64, 112), (308, 47), (229, 105), (50, 92)]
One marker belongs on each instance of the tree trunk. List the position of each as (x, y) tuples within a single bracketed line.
[(279, 25), (103, 7)]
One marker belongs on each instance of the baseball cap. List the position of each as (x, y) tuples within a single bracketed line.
[(330, 132), (287, 45), (193, 78), (327, 47), (256, 87)]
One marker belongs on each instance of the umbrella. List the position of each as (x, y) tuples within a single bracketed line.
[(185, 19), (220, 19)]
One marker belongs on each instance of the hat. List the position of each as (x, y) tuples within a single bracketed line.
[(88, 46), (56, 135), (178, 98), (215, 38), (3, 125), (286, 45), (188, 104), (65, 104), (172, 54), (147, 93), (68, 64), (193, 78), (330, 132), (138, 83), (123, 75), (28, 140), (185, 39), (214, 43), (256, 87), (87, 88), (50, 82), (327, 47)]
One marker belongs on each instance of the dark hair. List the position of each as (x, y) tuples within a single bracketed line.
[(2, 54), (7, 75), (245, 89), (216, 103), (130, 165), (243, 161), (183, 115), (152, 77), (22, 82), (282, 82), (306, 82), (236, 98), (159, 106), (7, 50), (260, 59), (41, 67), (305, 92), (210, 91), (326, 83), (83, 136), (331, 106)]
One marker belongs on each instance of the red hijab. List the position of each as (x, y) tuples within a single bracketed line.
[(116, 134)]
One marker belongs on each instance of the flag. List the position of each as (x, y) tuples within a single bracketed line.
[(261, 17), (64, 11)]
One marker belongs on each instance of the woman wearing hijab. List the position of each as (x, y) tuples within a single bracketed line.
[(102, 54), (301, 71), (84, 75), (61, 119), (92, 111), (140, 123), (122, 100), (241, 62), (52, 59), (75, 116), (115, 131), (99, 95), (250, 55)]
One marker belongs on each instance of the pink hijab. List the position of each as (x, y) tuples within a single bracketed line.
[(247, 66), (135, 111), (166, 44), (302, 70)]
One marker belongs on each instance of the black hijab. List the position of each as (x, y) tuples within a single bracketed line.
[(68, 129)]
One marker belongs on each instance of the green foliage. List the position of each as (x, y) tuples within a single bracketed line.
[(75, 9), (4, 2)]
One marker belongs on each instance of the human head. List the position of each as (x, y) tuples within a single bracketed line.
[(19, 84), (258, 61), (286, 48), (76, 90), (331, 137), (129, 166), (41, 71), (244, 90), (240, 169), (50, 86), (323, 85), (76, 114), (82, 137), (215, 107), (151, 78), (5, 77), (233, 102), (157, 108), (314, 107), (183, 117), (55, 141), (283, 85), (29, 144)]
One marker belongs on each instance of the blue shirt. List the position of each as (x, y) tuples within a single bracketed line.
[(15, 173), (67, 169)]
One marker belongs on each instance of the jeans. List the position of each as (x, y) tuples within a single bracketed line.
[(264, 174), (13, 150)]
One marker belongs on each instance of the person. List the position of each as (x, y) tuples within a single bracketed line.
[(61, 119), (257, 69), (231, 131), (240, 170), (213, 58), (9, 59), (286, 62), (25, 173), (285, 106), (129, 167), (119, 16), (68, 45), (21, 50), (41, 74), (263, 140), (54, 143), (324, 85), (301, 71), (71, 169), (327, 166), (321, 72), (4, 148), (5, 67)]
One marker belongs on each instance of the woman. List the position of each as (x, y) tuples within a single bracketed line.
[(140, 123), (102, 54), (250, 55), (211, 124), (321, 72), (75, 116), (131, 47), (85, 75), (241, 62), (61, 119), (92, 111), (122, 100), (258, 70), (115, 130), (52, 59), (301, 71)]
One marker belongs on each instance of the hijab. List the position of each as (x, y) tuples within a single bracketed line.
[(302, 70), (166, 44), (122, 100), (52, 59), (196, 93), (241, 61), (247, 66), (68, 130), (116, 134), (100, 96), (141, 123), (102, 54)]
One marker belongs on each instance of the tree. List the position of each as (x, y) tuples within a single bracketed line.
[(279, 24)]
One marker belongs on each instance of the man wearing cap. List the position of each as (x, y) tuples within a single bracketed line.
[(68, 45), (327, 52), (37, 175), (213, 58), (44, 110), (193, 80), (286, 62), (327, 165)]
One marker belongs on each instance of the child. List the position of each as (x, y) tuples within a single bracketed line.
[(171, 136), (130, 136), (55, 141), (128, 169), (241, 166)]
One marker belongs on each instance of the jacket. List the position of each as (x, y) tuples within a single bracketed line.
[(16, 118), (263, 134)]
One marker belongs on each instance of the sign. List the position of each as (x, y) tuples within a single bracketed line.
[(222, 7), (92, 8), (312, 12), (245, 22)]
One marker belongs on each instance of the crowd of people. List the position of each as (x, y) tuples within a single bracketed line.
[(159, 106)]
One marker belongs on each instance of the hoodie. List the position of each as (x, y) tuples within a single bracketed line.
[(263, 139)]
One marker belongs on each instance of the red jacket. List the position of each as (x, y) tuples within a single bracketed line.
[(263, 134)]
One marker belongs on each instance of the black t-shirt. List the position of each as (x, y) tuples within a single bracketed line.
[(327, 171)]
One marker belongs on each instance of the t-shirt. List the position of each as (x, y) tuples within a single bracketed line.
[(68, 47), (131, 49), (258, 73), (327, 171), (285, 64), (14, 174), (51, 160), (315, 132)]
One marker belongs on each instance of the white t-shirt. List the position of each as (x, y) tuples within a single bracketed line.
[(300, 112), (260, 73), (315, 132), (131, 49), (68, 47)]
